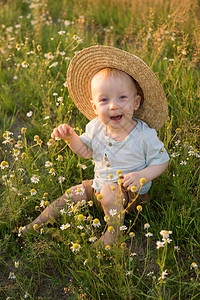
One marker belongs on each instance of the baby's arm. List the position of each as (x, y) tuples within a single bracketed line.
[(66, 133), (149, 173)]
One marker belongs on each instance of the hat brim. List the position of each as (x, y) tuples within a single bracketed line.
[(88, 61)]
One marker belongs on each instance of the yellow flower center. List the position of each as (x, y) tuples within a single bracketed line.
[(75, 246), (81, 217), (96, 221)]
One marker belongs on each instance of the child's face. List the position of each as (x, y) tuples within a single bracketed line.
[(114, 99)]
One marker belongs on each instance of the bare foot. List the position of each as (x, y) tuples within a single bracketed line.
[(108, 238)]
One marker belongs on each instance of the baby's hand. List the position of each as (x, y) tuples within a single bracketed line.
[(63, 132), (132, 180)]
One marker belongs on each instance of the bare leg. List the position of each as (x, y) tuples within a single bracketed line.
[(112, 200), (53, 210)]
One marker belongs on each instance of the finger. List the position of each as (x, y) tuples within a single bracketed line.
[(61, 130)]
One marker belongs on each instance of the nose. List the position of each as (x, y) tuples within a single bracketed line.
[(113, 104)]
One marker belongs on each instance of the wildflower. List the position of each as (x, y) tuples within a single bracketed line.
[(25, 64), (90, 203), (123, 227), (24, 155), (165, 233), (129, 273), (65, 84), (52, 171), (96, 223), (111, 229), (119, 172), (160, 244), (41, 230), (149, 234), (99, 255), (35, 226), (110, 176), (178, 129), (4, 164), (83, 202), (106, 218), (99, 197), (45, 195), (16, 152), (193, 266), (33, 192), (131, 234), (42, 203), (177, 142), (61, 179), (35, 179), (183, 162), (80, 227), (39, 48), (142, 181), (11, 276), (50, 142), (53, 65), (184, 52), (80, 191), (29, 114), (62, 227), (75, 247), (146, 225), (81, 217), (177, 248), (68, 193), (132, 255), (23, 130), (48, 164), (150, 273), (85, 262), (59, 158), (61, 32), (113, 212), (17, 264), (123, 245), (20, 230), (163, 276), (139, 208), (107, 247), (36, 138), (92, 239), (133, 189)]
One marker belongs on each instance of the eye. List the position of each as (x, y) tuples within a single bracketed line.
[(104, 100), (122, 97)]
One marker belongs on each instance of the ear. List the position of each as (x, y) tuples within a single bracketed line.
[(94, 106), (137, 102)]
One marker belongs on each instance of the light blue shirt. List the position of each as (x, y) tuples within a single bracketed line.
[(140, 149)]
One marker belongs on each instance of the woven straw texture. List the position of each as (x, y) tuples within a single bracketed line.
[(88, 61)]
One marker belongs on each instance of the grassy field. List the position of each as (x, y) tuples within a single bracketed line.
[(37, 41)]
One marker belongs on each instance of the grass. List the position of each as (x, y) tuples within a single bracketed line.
[(165, 34)]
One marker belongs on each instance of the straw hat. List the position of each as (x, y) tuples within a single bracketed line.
[(87, 62)]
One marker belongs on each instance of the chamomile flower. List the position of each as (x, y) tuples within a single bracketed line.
[(62, 211), (4, 164), (85, 262), (123, 227), (193, 266), (163, 275), (111, 229), (132, 255), (48, 164), (52, 171), (96, 223), (113, 212), (61, 179), (75, 247), (106, 218), (29, 114), (92, 239), (33, 192), (81, 217), (11, 276), (16, 264), (107, 247), (61, 32), (149, 234), (165, 233), (64, 226), (42, 203), (25, 64), (160, 244), (35, 179), (80, 191), (68, 193), (146, 225)]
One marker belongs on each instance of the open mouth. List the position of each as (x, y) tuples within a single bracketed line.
[(116, 118)]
